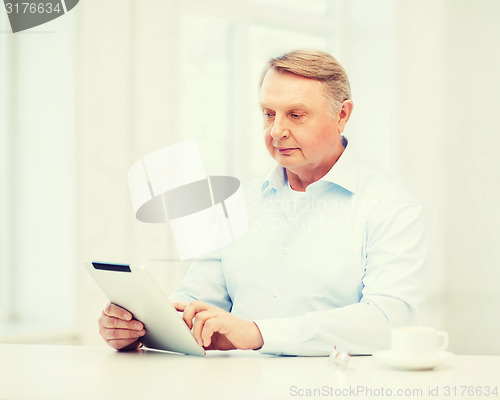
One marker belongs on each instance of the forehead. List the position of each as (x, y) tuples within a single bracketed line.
[(280, 87)]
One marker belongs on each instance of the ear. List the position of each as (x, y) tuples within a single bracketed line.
[(344, 114)]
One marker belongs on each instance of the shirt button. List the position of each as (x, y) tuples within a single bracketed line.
[(286, 251), (275, 294)]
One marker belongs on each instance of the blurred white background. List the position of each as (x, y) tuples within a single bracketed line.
[(86, 95)]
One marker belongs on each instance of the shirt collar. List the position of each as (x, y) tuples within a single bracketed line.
[(344, 172)]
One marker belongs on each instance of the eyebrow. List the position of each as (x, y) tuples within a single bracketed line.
[(291, 107)]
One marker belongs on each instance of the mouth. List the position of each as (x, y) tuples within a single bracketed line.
[(285, 150)]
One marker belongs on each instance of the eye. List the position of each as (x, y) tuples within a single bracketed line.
[(296, 115), (268, 114)]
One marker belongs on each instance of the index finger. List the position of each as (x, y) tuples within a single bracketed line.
[(180, 305), (112, 310), (193, 308)]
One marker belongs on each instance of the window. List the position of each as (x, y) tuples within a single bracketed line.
[(38, 247), (5, 277), (224, 48), (205, 94)]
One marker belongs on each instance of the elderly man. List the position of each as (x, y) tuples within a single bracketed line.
[(334, 252)]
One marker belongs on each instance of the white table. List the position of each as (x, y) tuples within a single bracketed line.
[(70, 372)]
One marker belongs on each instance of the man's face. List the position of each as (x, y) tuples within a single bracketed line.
[(300, 132)]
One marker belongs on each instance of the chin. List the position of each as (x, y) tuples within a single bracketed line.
[(284, 161)]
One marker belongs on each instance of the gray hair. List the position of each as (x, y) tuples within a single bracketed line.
[(319, 65)]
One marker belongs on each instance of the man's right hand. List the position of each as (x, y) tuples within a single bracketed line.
[(119, 330)]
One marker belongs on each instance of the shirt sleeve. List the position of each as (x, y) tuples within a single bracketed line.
[(393, 288), (204, 281)]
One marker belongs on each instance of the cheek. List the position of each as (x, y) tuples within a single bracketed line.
[(268, 141), (313, 144), (267, 136), (326, 136)]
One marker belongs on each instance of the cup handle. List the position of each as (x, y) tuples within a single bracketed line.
[(444, 337)]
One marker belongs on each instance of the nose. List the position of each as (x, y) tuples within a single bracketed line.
[(279, 129)]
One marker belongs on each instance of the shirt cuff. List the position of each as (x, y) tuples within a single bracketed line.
[(281, 336)]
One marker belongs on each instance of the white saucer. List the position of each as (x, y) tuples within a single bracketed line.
[(400, 361)]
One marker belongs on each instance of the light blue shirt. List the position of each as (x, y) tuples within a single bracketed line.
[(339, 266)]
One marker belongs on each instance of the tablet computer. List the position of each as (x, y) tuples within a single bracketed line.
[(133, 288)]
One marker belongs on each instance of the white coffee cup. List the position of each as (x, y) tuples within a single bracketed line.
[(418, 341)]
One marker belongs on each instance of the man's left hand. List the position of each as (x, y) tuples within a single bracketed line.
[(216, 329)]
